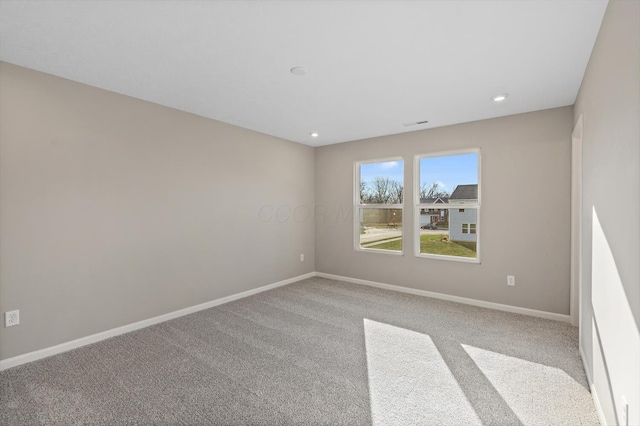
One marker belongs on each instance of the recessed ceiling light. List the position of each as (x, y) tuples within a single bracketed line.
[(299, 71), (314, 135), (500, 98)]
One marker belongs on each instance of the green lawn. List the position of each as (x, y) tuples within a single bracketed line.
[(433, 244)]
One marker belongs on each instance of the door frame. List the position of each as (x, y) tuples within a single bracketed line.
[(575, 306)]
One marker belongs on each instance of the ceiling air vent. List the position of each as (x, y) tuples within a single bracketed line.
[(413, 123)]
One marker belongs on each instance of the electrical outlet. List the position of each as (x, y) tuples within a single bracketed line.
[(624, 412), (302, 258), (11, 318), (511, 280)]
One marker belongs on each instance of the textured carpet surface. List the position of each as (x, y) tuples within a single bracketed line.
[(315, 352)]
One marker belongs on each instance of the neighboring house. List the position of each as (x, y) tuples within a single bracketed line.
[(433, 215), (463, 221)]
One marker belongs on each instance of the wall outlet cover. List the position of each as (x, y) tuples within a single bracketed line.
[(11, 318), (624, 412)]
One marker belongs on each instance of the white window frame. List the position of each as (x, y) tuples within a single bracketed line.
[(418, 206), (357, 206)]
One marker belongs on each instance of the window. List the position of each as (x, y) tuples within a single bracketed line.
[(444, 183), (379, 191)]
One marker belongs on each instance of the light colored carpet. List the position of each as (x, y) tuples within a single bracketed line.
[(315, 352), (409, 381)]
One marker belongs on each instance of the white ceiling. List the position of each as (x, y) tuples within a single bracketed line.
[(371, 65)]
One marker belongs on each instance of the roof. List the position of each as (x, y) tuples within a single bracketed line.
[(439, 200), (465, 192)]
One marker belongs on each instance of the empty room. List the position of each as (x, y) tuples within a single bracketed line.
[(320, 212)]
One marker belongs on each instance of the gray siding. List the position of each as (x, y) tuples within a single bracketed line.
[(456, 219)]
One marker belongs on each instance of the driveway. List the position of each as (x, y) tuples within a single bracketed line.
[(376, 234)]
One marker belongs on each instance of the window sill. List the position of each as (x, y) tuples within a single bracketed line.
[(391, 252), (449, 258)]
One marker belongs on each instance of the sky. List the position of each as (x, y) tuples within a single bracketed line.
[(391, 169), (449, 171)]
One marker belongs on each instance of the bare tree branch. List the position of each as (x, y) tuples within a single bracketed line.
[(381, 190), (431, 190)]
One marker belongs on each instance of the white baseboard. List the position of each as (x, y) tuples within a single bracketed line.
[(592, 388), (83, 341), (466, 301)]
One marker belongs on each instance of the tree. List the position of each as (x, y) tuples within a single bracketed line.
[(432, 190), (381, 190), (396, 192), (364, 195)]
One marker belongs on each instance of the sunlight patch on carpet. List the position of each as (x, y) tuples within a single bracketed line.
[(409, 381), (537, 394)]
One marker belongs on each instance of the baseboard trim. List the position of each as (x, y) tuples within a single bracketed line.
[(83, 341), (592, 388), (465, 300)]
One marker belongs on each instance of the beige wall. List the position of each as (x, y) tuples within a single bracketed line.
[(116, 210), (609, 102), (525, 223)]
